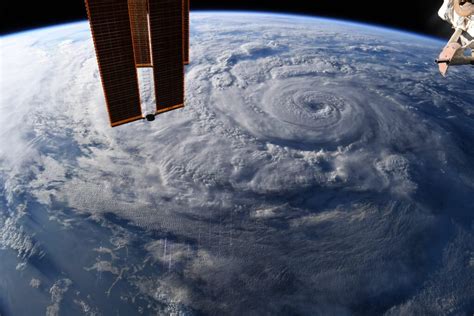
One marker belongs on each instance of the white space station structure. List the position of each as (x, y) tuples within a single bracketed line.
[(460, 48)]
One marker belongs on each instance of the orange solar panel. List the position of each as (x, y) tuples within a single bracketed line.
[(140, 33), (138, 10), (166, 33), (110, 25), (186, 31)]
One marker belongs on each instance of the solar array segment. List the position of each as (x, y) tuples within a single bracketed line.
[(140, 33), (166, 33), (186, 31), (110, 25), (138, 10)]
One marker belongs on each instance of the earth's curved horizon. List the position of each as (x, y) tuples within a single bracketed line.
[(320, 167), (262, 13)]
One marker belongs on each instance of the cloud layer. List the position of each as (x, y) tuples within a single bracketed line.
[(318, 168)]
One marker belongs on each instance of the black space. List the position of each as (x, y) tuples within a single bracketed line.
[(415, 15)]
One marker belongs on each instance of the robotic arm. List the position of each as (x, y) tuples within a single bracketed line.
[(460, 48)]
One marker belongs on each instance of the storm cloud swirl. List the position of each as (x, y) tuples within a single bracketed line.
[(319, 168)]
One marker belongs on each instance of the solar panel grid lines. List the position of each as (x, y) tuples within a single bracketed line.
[(138, 10), (166, 33), (171, 108), (111, 32), (186, 32), (132, 34)]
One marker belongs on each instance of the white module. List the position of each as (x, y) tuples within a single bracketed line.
[(460, 48)]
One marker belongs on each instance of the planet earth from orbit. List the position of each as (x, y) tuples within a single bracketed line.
[(319, 167)]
